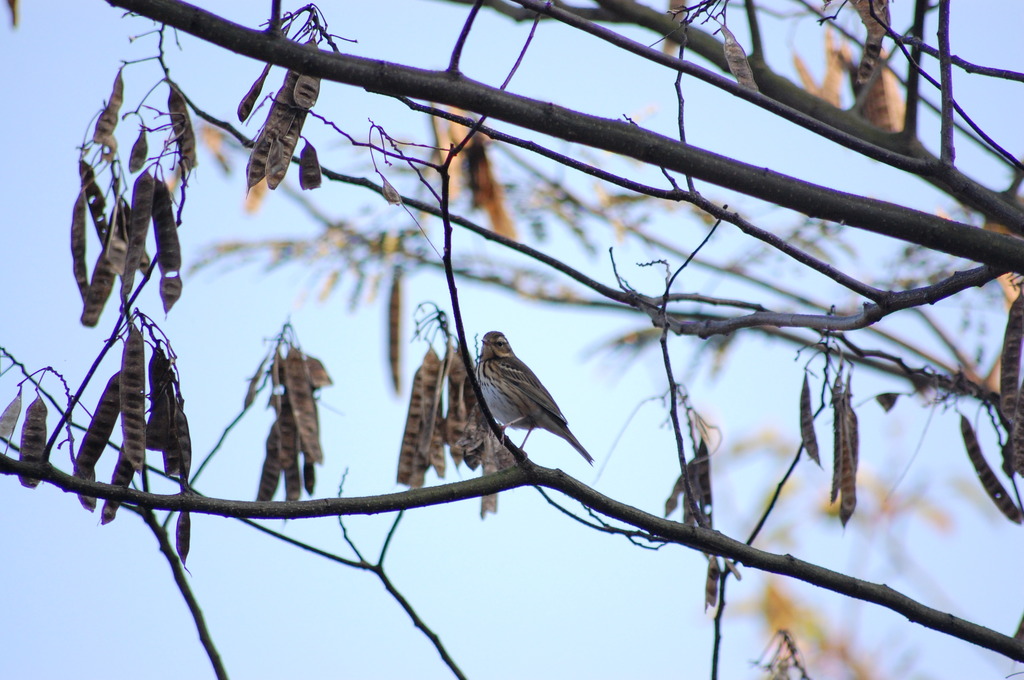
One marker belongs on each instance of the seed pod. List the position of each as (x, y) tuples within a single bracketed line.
[(105, 124), (1009, 364), (122, 476), (9, 419), (303, 405), (283, 149), (97, 435), (78, 266), (249, 100), (271, 474), (161, 399), (133, 399), (306, 91), (168, 249), (736, 59), (318, 376), (182, 536), (184, 135), (140, 152), (309, 168), (807, 436), (94, 199), (395, 330), (256, 168), (254, 384), (138, 230), (170, 290), (99, 290), (308, 474), (711, 583), (33, 437), (182, 440), (115, 250), (993, 487)]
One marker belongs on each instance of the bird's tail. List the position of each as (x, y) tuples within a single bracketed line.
[(568, 436)]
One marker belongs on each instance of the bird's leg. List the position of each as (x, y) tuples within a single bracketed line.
[(526, 437)]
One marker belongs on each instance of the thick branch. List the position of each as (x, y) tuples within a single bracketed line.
[(611, 135), (527, 474)]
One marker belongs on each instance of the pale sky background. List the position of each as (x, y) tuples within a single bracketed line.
[(527, 592)]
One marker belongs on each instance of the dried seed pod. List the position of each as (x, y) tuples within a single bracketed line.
[(182, 535), (318, 376), (168, 249), (133, 398), (699, 472), (254, 384), (711, 582), (140, 152), (413, 458), (435, 452), (33, 437), (270, 477), (456, 419), (182, 440), (138, 230), (94, 199), (309, 168), (283, 149), (184, 135), (78, 266), (104, 132), (300, 396), (161, 400), (97, 435), (99, 290), (256, 168), (838, 417), (1009, 366), (9, 419), (249, 100), (170, 290), (306, 91), (887, 400), (122, 476), (736, 59), (807, 436), (876, 28), (115, 250), (395, 329), (308, 474), (848, 484), (487, 190), (986, 476)]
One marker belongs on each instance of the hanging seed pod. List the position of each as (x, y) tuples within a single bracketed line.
[(395, 330), (115, 250), (256, 168), (300, 396), (99, 290), (875, 33), (807, 436), (104, 132), (271, 474), (78, 266), (133, 399), (184, 135), (138, 230), (1009, 365), (993, 487), (318, 376), (309, 168), (161, 400), (182, 448), (306, 91), (711, 582), (249, 100), (140, 152), (33, 437), (308, 474), (183, 535), (122, 476), (94, 199), (283, 149), (170, 290), (736, 59), (98, 435), (168, 249), (9, 419)]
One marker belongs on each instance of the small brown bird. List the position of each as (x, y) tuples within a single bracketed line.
[(515, 396)]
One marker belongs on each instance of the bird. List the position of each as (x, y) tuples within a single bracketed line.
[(515, 396)]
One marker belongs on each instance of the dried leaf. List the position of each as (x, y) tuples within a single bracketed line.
[(1009, 363), (306, 91), (309, 168), (168, 249), (78, 265), (99, 291), (487, 190), (395, 329), (249, 100), (736, 59), (170, 290), (33, 437), (986, 476), (9, 419), (98, 435), (133, 399), (104, 132), (184, 135), (300, 396), (807, 435), (391, 194), (711, 583), (140, 152), (138, 230), (182, 536)]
